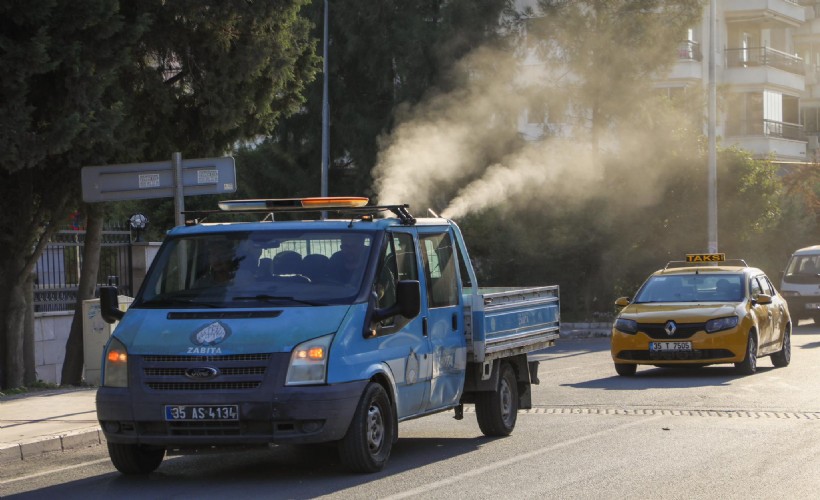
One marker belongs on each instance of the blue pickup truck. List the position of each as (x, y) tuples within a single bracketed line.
[(331, 330)]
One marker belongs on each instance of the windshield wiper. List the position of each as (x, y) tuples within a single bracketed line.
[(263, 297)]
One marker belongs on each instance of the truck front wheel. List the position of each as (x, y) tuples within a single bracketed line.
[(497, 411), (369, 439), (134, 458)]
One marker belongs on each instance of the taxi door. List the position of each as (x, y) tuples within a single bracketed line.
[(763, 313), (445, 316)]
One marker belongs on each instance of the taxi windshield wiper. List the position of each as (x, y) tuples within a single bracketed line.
[(276, 298)]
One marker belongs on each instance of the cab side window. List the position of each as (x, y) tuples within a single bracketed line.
[(398, 263), (440, 268)]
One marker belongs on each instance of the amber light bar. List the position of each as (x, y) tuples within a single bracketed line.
[(285, 203)]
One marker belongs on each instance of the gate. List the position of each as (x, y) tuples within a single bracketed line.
[(57, 278)]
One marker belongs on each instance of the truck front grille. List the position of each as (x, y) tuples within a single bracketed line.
[(242, 372)]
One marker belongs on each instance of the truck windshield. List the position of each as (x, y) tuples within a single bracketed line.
[(692, 288), (258, 269)]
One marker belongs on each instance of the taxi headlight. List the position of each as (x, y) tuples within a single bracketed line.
[(626, 325), (115, 364), (308, 362), (716, 325)]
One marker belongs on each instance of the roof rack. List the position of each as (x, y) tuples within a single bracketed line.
[(683, 263), (341, 205)]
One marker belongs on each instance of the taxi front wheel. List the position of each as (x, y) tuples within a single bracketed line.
[(782, 357), (626, 370), (749, 365)]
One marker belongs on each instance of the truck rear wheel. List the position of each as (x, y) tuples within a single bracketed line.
[(497, 411), (369, 439), (134, 458)]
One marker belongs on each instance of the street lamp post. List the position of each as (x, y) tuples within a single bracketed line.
[(712, 167)]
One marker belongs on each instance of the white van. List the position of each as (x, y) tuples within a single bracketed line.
[(801, 284)]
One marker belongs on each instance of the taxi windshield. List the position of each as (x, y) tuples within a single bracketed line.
[(258, 269), (692, 288)]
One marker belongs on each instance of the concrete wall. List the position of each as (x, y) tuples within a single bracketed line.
[(50, 335)]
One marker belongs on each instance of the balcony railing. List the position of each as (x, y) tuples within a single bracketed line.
[(689, 51), (768, 128), (764, 56)]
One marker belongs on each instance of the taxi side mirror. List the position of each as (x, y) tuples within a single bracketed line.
[(763, 299), (622, 302)]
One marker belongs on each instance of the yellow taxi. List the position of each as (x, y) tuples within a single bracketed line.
[(696, 312)]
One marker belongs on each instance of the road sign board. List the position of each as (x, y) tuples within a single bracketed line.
[(139, 181)]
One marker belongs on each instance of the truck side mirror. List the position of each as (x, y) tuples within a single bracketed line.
[(109, 304), (408, 297), (408, 302)]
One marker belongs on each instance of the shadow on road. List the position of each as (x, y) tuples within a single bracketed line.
[(280, 472), (679, 377)]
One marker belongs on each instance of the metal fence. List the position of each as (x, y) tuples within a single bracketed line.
[(58, 269)]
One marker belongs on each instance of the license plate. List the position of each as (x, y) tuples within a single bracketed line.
[(185, 413), (670, 346)]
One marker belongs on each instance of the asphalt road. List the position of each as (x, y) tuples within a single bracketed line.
[(665, 433)]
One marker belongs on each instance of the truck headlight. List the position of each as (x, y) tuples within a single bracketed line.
[(626, 325), (115, 364), (716, 325), (308, 362)]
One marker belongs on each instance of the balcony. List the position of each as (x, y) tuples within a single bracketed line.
[(764, 66), (765, 13), (689, 66), (768, 137)]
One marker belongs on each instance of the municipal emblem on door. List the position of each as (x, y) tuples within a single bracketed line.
[(211, 334), (670, 328)]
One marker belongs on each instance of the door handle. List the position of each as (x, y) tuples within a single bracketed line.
[(455, 321), (424, 326)]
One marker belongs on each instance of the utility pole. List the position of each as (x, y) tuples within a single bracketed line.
[(325, 111), (712, 181)]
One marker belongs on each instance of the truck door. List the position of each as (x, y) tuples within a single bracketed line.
[(444, 323), (403, 342)]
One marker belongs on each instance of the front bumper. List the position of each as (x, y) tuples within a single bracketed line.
[(707, 348), (269, 412), (804, 306)]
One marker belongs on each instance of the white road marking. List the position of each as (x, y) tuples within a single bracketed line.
[(513, 460), (54, 471)]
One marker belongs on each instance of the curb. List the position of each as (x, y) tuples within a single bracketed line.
[(586, 330), (82, 438)]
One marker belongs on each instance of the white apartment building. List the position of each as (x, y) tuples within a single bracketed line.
[(767, 59), (767, 62)]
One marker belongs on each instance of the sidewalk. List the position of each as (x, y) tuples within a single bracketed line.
[(40, 422)]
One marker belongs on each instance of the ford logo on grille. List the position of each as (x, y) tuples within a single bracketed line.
[(201, 372)]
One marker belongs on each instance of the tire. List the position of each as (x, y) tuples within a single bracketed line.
[(132, 459), (784, 356), (749, 364), (626, 370), (369, 439), (497, 411)]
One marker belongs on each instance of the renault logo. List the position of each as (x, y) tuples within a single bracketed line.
[(670, 327), (201, 372)]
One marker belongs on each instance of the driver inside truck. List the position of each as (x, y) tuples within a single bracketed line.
[(221, 265)]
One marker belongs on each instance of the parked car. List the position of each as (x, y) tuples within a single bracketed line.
[(801, 283)]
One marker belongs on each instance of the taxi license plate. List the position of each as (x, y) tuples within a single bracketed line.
[(177, 413), (670, 346)]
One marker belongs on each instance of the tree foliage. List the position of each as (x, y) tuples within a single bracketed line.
[(100, 81)]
